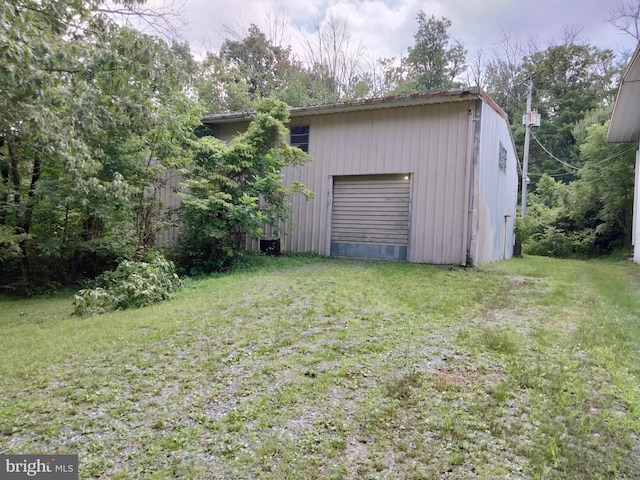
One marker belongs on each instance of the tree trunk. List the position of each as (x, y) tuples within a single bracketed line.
[(4, 175), (28, 212), (15, 169), (17, 200)]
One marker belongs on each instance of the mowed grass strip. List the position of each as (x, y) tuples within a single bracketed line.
[(324, 368)]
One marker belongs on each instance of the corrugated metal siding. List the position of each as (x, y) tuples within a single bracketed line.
[(496, 203), (433, 143), (429, 141), (227, 131), (370, 214)]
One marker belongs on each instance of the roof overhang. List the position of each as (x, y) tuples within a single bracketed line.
[(425, 98), (625, 120)]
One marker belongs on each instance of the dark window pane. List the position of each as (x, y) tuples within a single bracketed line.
[(502, 159), (300, 137)]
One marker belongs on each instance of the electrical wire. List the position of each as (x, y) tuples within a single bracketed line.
[(616, 155), (535, 174), (553, 156)]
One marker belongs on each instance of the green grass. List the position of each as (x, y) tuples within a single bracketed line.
[(304, 367)]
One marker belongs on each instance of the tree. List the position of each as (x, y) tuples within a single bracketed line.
[(92, 113), (218, 86), (604, 190), (250, 68), (390, 76), (434, 62), (234, 190), (626, 17), (592, 214), (571, 80), (506, 77), (477, 70), (331, 58), (262, 65)]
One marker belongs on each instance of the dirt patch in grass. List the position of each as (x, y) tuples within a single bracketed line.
[(445, 379)]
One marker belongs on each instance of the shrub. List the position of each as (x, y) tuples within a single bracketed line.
[(555, 242), (234, 190), (130, 285)]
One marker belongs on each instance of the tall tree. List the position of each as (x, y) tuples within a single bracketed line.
[(434, 61), (331, 57), (261, 64), (572, 80), (250, 68), (506, 77), (604, 190), (626, 17), (219, 87), (91, 114)]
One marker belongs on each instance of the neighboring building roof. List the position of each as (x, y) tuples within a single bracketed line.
[(441, 96), (625, 120)]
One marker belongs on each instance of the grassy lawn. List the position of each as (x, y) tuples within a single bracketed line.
[(324, 368)]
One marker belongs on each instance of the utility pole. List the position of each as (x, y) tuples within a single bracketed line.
[(527, 136)]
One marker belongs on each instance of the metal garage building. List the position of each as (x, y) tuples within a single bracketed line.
[(429, 177)]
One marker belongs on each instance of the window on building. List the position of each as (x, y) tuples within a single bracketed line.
[(502, 161), (300, 137)]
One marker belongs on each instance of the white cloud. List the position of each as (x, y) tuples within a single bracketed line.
[(385, 30), (386, 27)]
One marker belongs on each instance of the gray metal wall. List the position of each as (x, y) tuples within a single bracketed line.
[(459, 199), (497, 190), (429, 142)]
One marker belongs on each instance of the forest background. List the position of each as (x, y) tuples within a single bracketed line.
[(94, 111)]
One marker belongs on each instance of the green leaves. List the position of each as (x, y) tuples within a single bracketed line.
[(435, 62), (592, 214), (131, 285), (95, 113), (235, 190)]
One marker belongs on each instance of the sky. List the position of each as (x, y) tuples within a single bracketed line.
[(386, 27)]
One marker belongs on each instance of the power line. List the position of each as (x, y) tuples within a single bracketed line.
[(615, 155), (527, 135), (533, 174), (552, 155), (579, 169)]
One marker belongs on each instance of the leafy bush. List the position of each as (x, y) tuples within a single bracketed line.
[(234, 190), (555, 228), (130, 285), (552, 242), (9, 244)]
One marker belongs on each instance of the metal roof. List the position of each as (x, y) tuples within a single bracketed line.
[(625, 120), (440, 96)]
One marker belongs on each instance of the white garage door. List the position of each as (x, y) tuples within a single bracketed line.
[(370, 216)]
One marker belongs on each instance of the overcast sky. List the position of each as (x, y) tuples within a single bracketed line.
[(386, 27)]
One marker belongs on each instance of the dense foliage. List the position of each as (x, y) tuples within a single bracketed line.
[(235, 190), (91, 114), (570, 211), (591, 215), (433, 62)]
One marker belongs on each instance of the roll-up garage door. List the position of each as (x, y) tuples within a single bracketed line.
[(370, 216)]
